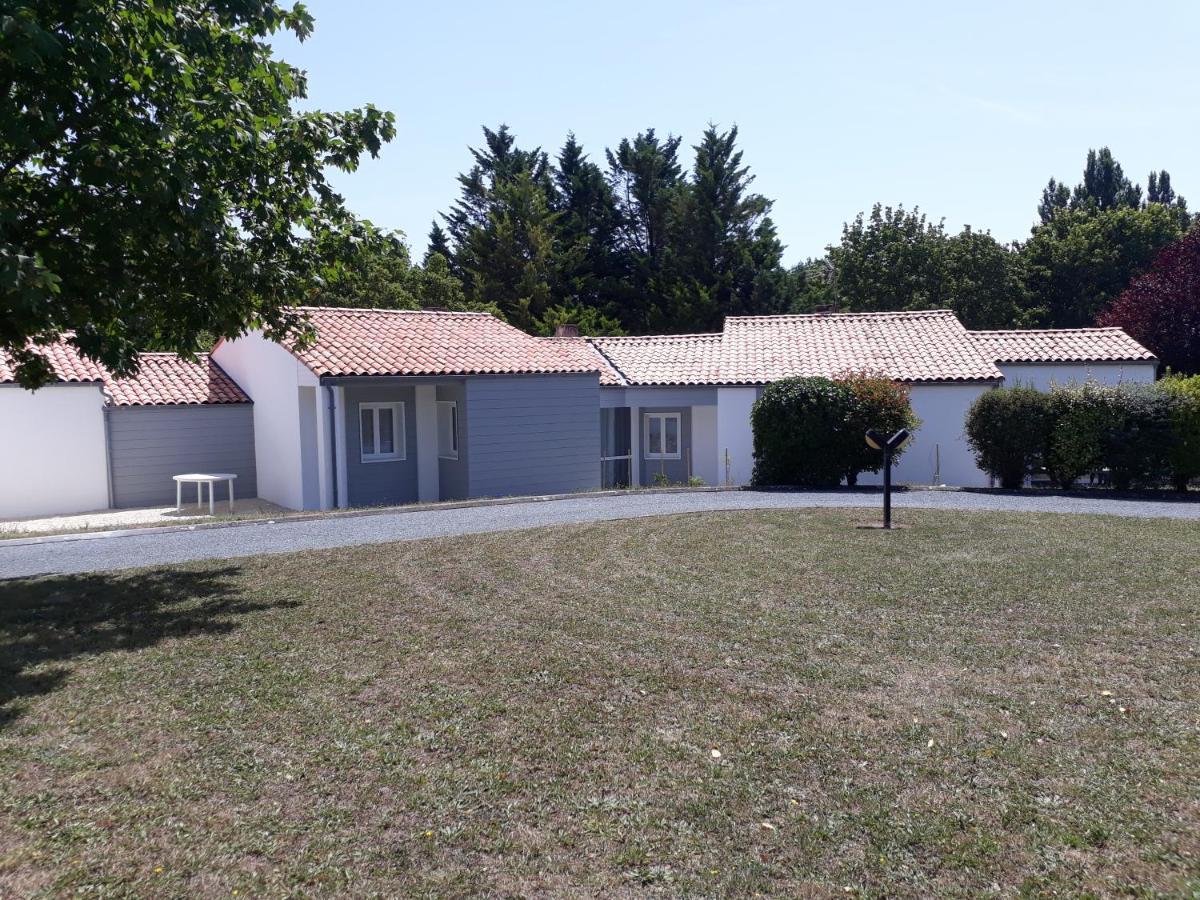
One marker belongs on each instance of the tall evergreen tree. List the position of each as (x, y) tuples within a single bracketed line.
[(1104, 184), (1055, 197), (587, 230), (647, 183), (729, 250)]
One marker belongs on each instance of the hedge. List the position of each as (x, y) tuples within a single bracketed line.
[(810, 432), (1142, 434)]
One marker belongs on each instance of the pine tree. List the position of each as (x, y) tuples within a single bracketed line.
[(1055, 197), (730, 244), (587, 231)]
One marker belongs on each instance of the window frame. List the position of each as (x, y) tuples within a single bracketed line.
[(664, 416), (399, 432), (454, 428)]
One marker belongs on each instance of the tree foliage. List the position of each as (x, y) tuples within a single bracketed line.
[(1161, 308), (157, 182), (1008, 430), (640, 244)]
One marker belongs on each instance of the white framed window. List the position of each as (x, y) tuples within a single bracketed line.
[(447, 426), (381, 431), (660, 435)]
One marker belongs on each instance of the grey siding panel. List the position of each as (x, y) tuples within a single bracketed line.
[(379, 483), (149, 444), (533, 434), (453, 473)]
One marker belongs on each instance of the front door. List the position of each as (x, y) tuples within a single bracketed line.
[(616, 459)]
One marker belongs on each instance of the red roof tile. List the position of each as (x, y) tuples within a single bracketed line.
[(165, 379), (67, 362), (1061, 345), (664, 359), (585, 353), (411, 342), (925, 346)]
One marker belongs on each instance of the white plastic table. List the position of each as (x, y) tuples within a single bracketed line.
[(200, 480)]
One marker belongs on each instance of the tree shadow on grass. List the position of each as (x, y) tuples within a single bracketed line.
[(45, 624)]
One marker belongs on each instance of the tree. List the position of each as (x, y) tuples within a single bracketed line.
[(587, 224), (728, 247), (157, 183), (1080, 260), (1055, 197), (647, 183), (1105, 187), (380, 275), (1161, 308), (897, 260)]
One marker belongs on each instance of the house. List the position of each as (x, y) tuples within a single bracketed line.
[(92, 441), (397, 406)]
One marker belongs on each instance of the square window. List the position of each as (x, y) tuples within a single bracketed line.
[(381, 431)]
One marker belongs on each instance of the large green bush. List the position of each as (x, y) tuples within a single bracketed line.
[(810, 431), (1185, 422), (1008, 429), (1126, 429)]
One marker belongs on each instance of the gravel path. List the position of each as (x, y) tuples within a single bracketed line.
[(96, 554)]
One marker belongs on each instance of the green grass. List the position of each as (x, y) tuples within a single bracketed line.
[(980, 704)]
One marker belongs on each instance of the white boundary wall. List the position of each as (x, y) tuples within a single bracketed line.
[(1044, 377), (53, 452), (272, 378)]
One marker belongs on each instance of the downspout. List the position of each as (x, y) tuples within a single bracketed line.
[(108, 460), (333, 458)]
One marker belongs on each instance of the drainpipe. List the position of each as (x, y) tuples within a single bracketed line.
[(333, 459), (108, 460)]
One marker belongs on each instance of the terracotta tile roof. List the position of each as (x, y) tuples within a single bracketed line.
[(410, 342), (585, 353), (68, 363), (1061, 345), (925, 346), (165, 379), (664, 359)]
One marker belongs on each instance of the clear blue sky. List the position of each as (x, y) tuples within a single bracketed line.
[(963, 108)]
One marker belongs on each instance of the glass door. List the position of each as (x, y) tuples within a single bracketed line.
[(616, 459)]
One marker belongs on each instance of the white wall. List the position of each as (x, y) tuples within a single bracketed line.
[(942, 409), (1043, 377), (734, 434), (704, 444), (271, 376), (53, 455)]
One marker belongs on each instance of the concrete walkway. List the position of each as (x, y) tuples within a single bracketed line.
[(96, 553)]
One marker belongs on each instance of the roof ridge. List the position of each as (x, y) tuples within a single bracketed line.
[(389, 311), (896, 313), (1047, 330), (716, 335)]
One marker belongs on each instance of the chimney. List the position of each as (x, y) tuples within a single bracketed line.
[(566, 331)]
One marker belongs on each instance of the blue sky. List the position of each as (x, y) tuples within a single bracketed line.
[(964, 108)]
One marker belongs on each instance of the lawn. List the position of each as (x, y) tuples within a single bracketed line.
[(716, 704)]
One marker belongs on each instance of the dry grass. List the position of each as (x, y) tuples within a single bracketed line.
[(981, 704)]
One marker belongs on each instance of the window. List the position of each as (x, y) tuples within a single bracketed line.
[(381, 431), (447, 425), (662, 436)]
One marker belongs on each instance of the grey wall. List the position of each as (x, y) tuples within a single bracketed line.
[(452, 473), (377, 483), (676, 470), (533, 434), (149, 444)]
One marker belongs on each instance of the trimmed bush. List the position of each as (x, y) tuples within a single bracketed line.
[(1126, 429), (809, 431), (1185, 425), (1008, 429)]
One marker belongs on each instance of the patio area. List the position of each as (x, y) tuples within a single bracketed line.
[(106, 519)]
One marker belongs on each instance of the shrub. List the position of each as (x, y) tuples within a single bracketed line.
[(800, 427), (1127, 429), (1007, 429), (809, 431), (879, 403), (1185, 427)]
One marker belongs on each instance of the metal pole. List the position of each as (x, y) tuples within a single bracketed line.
[(887, 487)]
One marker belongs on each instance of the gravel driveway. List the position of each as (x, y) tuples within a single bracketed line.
[(95, 554)]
